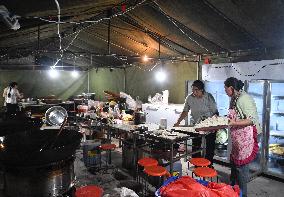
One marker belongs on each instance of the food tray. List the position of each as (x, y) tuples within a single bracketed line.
[(212, 128)]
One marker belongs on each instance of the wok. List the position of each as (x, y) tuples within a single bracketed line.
[(39, 147)]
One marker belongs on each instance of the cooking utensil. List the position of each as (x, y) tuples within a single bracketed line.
[(23, 148), (56, 115)]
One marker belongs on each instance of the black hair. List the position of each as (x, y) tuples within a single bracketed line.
[(199, 84), (235, 83), (13, 84)]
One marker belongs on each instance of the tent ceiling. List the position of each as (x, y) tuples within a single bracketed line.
[(162, 29)]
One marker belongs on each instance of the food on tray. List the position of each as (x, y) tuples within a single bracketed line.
[(273, 145), (127, 117), (213, 121), (276, 149)]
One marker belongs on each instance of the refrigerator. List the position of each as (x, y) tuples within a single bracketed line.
[(274, 133), (269, 98)]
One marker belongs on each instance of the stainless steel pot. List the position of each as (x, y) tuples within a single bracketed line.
[(45, 181)]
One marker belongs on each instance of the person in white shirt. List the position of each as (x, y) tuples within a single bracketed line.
[(12, 96), (5, 95)]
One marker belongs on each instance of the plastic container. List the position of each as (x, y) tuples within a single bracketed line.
[(177, 168), (91, 152)]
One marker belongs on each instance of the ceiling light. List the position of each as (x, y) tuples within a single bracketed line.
[(75, 73), (161, 76), (145, 58), (53, 73)]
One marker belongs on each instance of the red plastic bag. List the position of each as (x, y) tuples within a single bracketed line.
[(186, 187), (222, 189)]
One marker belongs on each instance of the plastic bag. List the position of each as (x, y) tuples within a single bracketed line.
[(125, 192), (189, 187), (186, 187), (223, 190)]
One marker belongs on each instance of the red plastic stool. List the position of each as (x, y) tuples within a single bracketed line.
[(205, 172), (89, 191), (198, 162), (155, 171), (145, 162), (108, 148)]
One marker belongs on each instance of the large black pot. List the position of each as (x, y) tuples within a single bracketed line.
[(39, 147)]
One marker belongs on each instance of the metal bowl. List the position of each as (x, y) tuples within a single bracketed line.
[(56, 115)]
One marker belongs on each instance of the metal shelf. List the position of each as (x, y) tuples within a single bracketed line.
[(277, 133)]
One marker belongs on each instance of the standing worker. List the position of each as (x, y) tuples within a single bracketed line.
[(5, 95), (244, 127), (202, 106), (12, 96)]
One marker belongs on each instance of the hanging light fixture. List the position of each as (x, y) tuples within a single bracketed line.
[(53, 73), (145, 58), (160, 74), (74, 73)]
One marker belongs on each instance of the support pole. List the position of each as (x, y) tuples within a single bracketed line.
[(108, 37), (124, 84)]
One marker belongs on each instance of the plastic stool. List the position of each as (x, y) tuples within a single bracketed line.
[(154, 171), (205, 172), (89, 191), (198, 162), (145, 162), (108, 148)]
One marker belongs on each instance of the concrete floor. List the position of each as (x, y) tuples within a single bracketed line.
[(258, 187)]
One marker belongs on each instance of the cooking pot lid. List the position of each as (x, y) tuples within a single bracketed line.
[(56, 115)]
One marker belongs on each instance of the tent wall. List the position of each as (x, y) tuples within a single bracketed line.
[(143, 83), (39, 84)]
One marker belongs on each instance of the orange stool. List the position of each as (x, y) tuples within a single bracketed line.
[(155, 171), (205, 172), (145, 162), (198, 162), (89, 191), (108, 148)]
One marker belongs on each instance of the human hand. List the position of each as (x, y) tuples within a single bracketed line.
[(232, 122), (176, 124)]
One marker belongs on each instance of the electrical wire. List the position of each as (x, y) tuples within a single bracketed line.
[(174, 22), (92, 21), (59, 35), (246, 75)]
